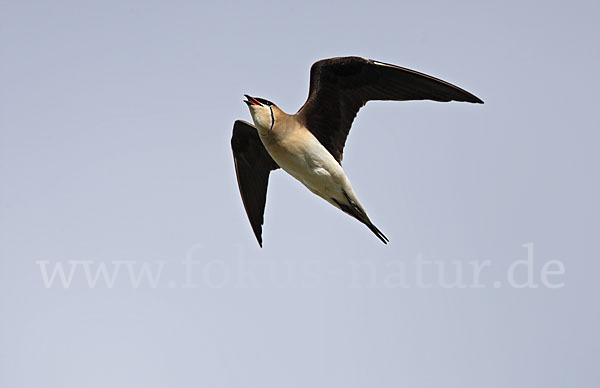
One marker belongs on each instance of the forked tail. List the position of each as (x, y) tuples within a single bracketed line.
[(357, 212)]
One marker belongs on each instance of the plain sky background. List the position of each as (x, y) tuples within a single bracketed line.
[(115, 121)]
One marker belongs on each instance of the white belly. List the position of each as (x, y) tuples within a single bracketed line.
[(308, 161)]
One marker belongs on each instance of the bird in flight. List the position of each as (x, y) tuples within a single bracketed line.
[(309, 145)]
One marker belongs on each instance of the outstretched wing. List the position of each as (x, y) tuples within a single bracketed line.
[(253, 165), (339, 87)]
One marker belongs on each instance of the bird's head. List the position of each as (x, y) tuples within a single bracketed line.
[(264, 113)]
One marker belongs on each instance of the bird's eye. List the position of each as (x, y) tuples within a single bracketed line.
[(264, 102)]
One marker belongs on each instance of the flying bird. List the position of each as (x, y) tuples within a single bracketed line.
[(309, 145)]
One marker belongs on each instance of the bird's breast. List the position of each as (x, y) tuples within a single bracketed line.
[(301, 155)]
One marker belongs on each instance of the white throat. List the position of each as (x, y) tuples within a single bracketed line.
[(264, 120)]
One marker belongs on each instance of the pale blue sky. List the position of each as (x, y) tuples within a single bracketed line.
[(115, 120)]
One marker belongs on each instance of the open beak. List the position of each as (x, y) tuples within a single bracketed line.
[(251, 101)]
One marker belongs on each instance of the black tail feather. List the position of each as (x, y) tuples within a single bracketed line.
[(378, 233), (355, 211)]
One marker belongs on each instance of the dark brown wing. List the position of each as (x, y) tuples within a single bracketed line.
[(252, 167), (339, 87)]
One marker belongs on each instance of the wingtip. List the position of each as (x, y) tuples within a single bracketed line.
[(473, 99)]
